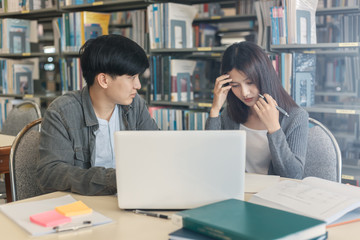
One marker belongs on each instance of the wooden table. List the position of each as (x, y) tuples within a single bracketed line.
[(126, 224), (5, 146)]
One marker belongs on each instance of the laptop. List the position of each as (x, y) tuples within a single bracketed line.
[(179, 169)]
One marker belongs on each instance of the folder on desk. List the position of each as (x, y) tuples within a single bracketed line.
[(21, 212)]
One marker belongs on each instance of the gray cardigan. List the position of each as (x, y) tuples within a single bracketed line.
[(67, 144), (287, 146)]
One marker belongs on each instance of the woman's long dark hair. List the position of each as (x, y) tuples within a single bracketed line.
[(250, 59)]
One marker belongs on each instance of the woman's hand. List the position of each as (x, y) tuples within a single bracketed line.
[(220, 93), (268, 113)]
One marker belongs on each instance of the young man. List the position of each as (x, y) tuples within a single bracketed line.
[(77, 134)]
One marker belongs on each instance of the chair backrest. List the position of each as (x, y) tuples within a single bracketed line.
[(24, 155), (323, 157), (20, 116)]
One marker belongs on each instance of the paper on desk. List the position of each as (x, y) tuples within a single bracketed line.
[(21, 212), (313, 197), (256, 182)]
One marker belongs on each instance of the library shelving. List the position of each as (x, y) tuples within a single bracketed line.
[(206, 54), (47, 51), (39, 82), (336, 85)]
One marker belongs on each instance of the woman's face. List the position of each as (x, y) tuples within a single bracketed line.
[(244, 88)]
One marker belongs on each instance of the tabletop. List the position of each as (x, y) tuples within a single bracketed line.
[(6, 140), (126, 224)]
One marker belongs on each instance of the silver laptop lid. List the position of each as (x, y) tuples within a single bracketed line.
[(179, 169)]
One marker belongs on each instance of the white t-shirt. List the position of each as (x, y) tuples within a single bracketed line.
[(258, 155), (105, 155)]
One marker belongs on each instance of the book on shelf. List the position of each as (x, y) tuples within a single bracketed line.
[(25, 5), (78, 27), (178, 20), (205, 35), (262, 9), (170, 25), (303, 83), (207, 10), (181, 80), (5, 107), (17, 76), (22, 72), (286, 71), (71, 75), (158, 78), (337, 74), (245, 7), (301, 24), (293, 22), (17, 34), (153, 15), (176, 119), (75, 2), (236, 219), (332, 202), (139, 31), (261, 25), (201, 80)]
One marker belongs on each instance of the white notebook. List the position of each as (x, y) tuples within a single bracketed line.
[(179, 169)]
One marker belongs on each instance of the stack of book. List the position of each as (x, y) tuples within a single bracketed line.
[(236, 219), (286, 210)]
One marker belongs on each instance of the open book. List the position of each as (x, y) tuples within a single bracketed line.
[(332, 202)]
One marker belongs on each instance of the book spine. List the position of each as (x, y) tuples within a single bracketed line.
[(67, 31), (208, 230)]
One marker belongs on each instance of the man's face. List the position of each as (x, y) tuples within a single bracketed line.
[(122, 89)]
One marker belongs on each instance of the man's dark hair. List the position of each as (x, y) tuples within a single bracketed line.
[(111, 54)]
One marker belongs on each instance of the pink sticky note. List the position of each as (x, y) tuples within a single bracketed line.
[(49, 219)]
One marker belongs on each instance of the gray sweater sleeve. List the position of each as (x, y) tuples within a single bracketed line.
[(287, 146)]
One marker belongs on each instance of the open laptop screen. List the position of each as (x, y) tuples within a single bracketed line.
[(179, 169)]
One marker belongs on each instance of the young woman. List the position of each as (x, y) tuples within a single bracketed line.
[(276, 141)]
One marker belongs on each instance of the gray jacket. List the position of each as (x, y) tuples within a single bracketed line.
[(287, 146), (67, 144)]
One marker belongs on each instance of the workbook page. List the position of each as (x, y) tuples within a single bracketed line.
[(300, 197)]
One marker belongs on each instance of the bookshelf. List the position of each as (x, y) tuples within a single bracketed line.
[(60, 7), (105, 6), (204, 53), (329, 103), (47, 49), (336, 83), (40, 53)]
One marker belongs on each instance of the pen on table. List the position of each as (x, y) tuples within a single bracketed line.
[(72, 227), (277, 107), (158, 215)]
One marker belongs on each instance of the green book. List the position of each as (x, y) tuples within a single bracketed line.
[(236, 219)]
